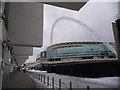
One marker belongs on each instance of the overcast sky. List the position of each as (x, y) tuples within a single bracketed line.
[(97, 15)]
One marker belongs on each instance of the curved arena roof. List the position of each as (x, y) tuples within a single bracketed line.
[(72, 44)]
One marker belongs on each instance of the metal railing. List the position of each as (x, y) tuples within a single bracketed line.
[(51, 82)]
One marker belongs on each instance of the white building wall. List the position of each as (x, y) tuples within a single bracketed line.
[(4, 56), (0, 54), (4, 52), (0, 47)]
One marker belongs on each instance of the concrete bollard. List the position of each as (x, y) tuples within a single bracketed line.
[(88, 88), (59, 84), (41, 78), (44, 79), (52, 82), (70, 85), (47, 80)]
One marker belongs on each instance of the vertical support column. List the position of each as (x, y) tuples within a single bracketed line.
[(118, 38), (116, 31)]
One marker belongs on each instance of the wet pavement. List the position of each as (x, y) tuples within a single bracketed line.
[(20, 80)]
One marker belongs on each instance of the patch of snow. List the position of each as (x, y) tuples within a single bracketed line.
[(77, 82)]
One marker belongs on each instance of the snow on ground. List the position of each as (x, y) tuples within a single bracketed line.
[(37, 71), (110, 81), (77, 82)]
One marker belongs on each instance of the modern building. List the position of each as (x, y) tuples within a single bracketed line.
[(84, 59), (78, 51)]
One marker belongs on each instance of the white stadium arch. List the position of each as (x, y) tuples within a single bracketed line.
[(85, 27)]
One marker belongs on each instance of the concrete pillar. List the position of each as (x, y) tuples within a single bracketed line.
[(115, 35), (118, 38)]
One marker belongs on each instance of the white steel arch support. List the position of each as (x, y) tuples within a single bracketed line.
[(85, 27)]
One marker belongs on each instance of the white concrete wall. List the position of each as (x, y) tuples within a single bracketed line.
[(1, 39), (0, 47), (4, 56), (4, 53), (0, 54)]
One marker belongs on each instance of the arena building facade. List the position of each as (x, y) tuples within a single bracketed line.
[(82, 59), (78, 50)]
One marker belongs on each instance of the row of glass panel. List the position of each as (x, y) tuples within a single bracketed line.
[(96, 50)]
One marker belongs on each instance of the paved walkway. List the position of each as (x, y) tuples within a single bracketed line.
[(20, 80)]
